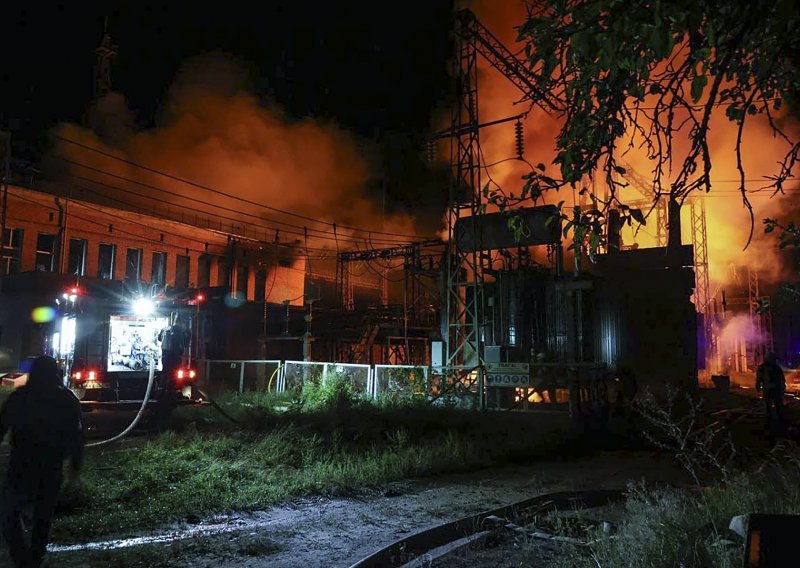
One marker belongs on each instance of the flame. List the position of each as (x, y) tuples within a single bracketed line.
[(728, 222)]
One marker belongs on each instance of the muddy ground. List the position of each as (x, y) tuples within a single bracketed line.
[(334, 532)]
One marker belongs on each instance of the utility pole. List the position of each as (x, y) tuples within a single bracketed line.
[(6, 174)]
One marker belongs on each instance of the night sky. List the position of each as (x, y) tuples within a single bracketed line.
[(377, 69)]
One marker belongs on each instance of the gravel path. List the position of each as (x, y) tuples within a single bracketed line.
[(336, 532)]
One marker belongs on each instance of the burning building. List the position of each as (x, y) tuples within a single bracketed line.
[(252, 289)]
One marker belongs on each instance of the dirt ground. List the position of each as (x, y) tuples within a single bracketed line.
[(336, 532)]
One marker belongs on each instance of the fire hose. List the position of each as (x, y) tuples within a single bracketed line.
[(213, 403), (132, 425), (139, 414), (274, 373)]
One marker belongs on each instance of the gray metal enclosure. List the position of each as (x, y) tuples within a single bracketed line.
[(631, 307)]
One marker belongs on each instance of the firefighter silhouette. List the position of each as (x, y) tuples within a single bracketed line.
[(173, 341), (45, 423), (771, 380)]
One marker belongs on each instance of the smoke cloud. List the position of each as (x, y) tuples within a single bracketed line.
[(215, 133), (736, 331)]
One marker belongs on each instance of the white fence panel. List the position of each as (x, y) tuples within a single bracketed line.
[(401, 379)]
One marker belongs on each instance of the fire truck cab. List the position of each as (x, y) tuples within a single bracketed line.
[(105, 339)]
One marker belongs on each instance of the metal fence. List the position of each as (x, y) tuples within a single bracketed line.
[(219, 376), (550, 382), (297, 373), (404, 380)]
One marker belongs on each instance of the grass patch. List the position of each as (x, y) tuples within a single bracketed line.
[(689, 528), (671, 527), (336, 445)]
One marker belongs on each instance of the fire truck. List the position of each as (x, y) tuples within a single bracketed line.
[(106, 335)]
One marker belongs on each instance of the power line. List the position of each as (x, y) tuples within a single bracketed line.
[(219, 192), (187, 207), (137, 236), (179, 195)]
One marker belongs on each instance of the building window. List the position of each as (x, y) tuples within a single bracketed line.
[(77, 257), (12, 245), (45, 252), (158, 274), (203, 271), (105, 261), (133, 265), (181, 271)]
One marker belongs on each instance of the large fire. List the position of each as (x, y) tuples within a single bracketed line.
[(728, 220)]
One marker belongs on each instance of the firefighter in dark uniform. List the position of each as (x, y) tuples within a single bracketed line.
[(44, 418), (172, 341), (624, 385), (771, 380)]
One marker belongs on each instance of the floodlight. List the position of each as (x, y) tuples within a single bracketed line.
[(143, 306)]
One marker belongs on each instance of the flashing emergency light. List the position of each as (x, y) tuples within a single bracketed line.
[(143, 306), (78, 375), (180, 374), (200, 297), (92, 375)]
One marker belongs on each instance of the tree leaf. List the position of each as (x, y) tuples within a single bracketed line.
[(698, 84)]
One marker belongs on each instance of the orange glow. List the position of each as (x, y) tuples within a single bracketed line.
[(728, 222), (218, 135)]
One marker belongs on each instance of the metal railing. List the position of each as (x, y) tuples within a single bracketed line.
[(296, 373), (374, 381), (400, 379), (239, 375)]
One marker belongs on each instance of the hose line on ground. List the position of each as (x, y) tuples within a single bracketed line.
[(139, 414), (213, 403)]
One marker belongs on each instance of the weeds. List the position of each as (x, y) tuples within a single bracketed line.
[(689, 528), (670, 527), (209, 465), (678, 425)]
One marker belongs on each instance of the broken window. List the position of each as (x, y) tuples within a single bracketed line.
[(45, 252), (158, 272), (133, 265), (76, 263), (105, 261)]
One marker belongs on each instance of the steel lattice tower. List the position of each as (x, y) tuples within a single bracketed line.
[(702, 289), (464, 287)]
